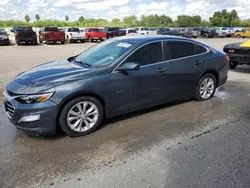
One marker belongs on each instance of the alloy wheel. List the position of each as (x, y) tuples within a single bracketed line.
[(207, 88), (82, 116)]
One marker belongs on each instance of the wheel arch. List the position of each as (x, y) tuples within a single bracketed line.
[(211, 71), (76, 95)]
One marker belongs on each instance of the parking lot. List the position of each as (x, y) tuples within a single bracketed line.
[(182, 144)]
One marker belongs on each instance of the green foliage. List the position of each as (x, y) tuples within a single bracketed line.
[(27, 18), (67, 18), (155, 21), (225, 19), (188, 21), (246, 23), (37, 17), (81, 19)]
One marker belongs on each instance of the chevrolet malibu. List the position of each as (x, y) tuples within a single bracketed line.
[(117, 76)]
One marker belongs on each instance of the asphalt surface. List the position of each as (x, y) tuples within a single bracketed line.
[(180, 144)]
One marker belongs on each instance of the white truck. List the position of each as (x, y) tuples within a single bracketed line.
[(73, 34), (142, 30)]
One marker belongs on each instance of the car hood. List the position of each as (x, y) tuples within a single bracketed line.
[(54, 72)]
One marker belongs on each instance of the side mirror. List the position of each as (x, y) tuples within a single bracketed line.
[(12, 30), (130, 66)]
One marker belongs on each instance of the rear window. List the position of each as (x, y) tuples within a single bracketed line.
[(24, 28), (50, 29), (131, 31), (73, 30)]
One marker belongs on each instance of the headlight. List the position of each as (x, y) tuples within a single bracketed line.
[(30, 99)]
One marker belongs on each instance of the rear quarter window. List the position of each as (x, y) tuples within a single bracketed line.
[(181, 49)]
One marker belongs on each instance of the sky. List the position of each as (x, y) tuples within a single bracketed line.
[(109, 9)]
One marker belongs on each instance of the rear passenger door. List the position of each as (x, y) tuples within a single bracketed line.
[(186, 64)]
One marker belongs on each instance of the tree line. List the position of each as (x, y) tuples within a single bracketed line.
[(222, 18)]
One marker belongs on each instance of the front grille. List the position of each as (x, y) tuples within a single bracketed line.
[(9, 108)]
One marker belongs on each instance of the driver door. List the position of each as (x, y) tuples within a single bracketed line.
[(137, 89)]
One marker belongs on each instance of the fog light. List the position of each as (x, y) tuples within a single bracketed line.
[(30, 118)]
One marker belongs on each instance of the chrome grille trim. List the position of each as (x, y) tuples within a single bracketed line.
[(9, 108)]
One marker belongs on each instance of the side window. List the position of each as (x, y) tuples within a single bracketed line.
[(178, 49), (199, 49), (148, 54)]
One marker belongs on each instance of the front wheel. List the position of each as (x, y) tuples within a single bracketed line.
[(81, 116), (205, 88)]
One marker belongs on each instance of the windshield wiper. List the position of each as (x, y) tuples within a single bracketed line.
[(80, 62)]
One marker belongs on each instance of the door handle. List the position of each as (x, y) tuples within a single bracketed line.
[(197, 63), (160, 70)]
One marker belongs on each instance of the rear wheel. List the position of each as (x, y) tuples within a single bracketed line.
[(81, 116), (63, 42), (90, 40), (47, 41), (83, 41), (18, 43), (233, 64), (205, 88), (238, 36)]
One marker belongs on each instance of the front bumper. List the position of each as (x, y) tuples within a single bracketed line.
[(240, 58), (17, 113)]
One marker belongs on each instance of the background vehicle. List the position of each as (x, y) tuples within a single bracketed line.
[(95, 34), (242, 34), (4, 38), (74, 35), (220, 32), (152, 31), (24, 34), (113, 32), (51, 34), (229, 31), (102, 82), (142, 30), (130, 31), (191, 33), (166, 31), (238, 53)]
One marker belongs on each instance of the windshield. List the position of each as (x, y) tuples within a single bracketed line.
[(3, 32), (73, 30), (131, 31), (104, 53)]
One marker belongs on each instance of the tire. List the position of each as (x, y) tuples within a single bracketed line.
[(47, 41), (217, 35), (233, 64), (198, 94), (238, 36), (63, 42), (71, 105), (90, 40), (82, 41), (35, 43), (18, 43)]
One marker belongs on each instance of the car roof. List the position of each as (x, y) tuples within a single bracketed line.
[(148, 38)]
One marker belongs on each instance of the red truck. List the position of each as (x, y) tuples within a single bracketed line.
[(95, 34), (51, 34)]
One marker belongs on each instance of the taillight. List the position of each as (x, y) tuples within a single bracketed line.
[(227, 58), (158, 32), (231, 51), (17, 34)]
